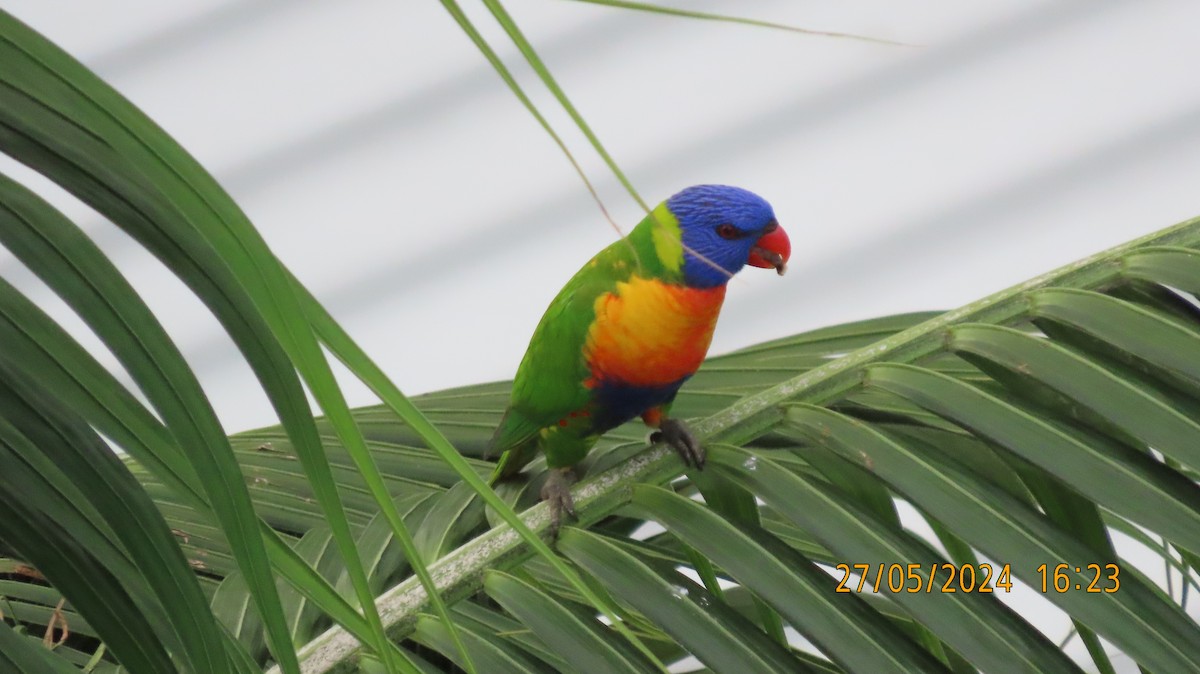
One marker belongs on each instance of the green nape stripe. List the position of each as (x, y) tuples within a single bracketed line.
[(667, 237)]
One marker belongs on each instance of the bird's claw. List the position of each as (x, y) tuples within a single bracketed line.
[(676, 434), (556, 492)]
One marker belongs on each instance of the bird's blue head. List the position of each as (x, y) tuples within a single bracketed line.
[(723, 228)]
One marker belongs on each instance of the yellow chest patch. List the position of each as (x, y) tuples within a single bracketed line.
[(648, 333)]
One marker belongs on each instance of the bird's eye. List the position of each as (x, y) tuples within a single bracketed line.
[(727, 231)]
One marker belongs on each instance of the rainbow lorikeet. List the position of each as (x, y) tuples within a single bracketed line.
[(629, 329)]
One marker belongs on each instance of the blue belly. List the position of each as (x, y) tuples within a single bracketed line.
[(614, 403)]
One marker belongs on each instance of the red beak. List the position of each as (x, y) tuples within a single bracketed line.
[(772, 251)]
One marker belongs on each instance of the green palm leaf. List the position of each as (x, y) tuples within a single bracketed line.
[(1020, 446)]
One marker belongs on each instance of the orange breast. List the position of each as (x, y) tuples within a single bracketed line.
[(649, 333)]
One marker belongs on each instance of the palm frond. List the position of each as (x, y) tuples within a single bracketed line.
[(1016, 434)]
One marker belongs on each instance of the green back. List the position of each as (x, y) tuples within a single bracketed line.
[(550, 380)]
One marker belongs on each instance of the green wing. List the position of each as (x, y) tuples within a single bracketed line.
[(550, 380)]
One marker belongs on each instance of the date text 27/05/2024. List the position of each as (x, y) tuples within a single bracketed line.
[(983, 578)]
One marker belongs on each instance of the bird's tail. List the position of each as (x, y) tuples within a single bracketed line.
[(510, 464), (513, 441)]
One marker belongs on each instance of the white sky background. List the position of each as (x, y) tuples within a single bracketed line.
[(394, 173)]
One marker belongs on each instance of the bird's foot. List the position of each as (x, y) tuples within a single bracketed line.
[(556, 492), (676, 434)]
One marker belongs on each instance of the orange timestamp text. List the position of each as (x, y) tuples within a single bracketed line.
[(913, 578), (1104, 578)]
